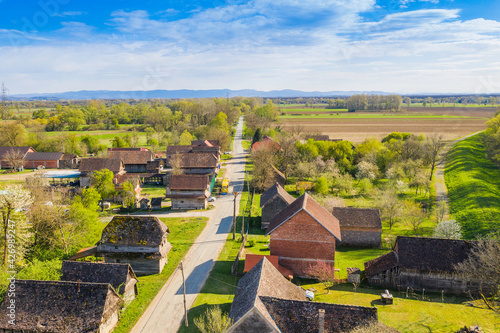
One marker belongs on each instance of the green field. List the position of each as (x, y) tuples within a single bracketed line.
[(183, 233), (473, 183)]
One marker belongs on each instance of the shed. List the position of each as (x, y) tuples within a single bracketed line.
[(140, 241), (61, 306), (156, 203), (359, 227), (423, 263), (46, 160), (273, 201), (144, 204), (120, 276)]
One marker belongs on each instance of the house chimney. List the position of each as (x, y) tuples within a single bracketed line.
[(321, 324)]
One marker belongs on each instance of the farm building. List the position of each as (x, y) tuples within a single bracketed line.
[(155, 166), (279, 177), (267, 302), (50, 160), (422, 263), (144, 204), (188, 191), (359, 227), (120, 276), (192, 149), (61, 306), (207, 143), (135, 160), (140, 241), (91, 164), (253, 259), (266, 143), (156, 203), (9, 155), (273, 201), (302, 234), (196, 163)]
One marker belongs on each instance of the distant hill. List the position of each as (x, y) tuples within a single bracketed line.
[(184, 93)]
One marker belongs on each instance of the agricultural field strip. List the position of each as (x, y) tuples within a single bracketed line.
[(376, 116)]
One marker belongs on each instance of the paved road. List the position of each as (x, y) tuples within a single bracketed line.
[(166, 311), (441, 190)]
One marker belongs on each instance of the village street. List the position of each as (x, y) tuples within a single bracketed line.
[(166, 311)]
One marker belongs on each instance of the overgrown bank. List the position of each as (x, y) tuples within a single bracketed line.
[(473, 183)]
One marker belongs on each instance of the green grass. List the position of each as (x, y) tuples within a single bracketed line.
[(412, 314), (313, 110), (153, 190), (473, 183), (183, 233)]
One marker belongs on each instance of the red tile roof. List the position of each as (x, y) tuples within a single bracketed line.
[(252, 260), (314, 209)]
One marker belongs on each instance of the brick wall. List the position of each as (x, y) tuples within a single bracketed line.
[(302, 237)]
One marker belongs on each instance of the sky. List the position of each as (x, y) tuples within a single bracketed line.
[(402, 46)]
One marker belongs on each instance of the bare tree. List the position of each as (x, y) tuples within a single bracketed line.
[(390, 207), (175, 164), (263, 173), (440, 210), (213, 321), (434, 145), (14, 158), (287, 153), (483, 265)]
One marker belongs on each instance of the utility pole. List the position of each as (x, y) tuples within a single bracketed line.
[(234, 215), (4, 102), (184, 293)]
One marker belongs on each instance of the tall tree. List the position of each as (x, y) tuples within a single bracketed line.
[(434, 145), (102, 181)]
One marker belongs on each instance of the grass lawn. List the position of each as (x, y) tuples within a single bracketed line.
[(183, 233), (473, 183), (153, 190), (412, 314)]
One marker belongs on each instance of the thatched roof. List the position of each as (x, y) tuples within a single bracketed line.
[(358, 217), (117, 275), (60, 306), (135, 230), (314, 209)]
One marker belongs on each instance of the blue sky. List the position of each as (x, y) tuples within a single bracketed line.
[(406, 46)]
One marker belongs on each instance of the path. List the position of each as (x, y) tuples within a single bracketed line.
[(441, 190), (166, 311)]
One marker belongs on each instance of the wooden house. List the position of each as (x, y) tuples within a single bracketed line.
[(92, 164), (135, 160), (140, 241), (302, 234), (422, 263), (359, 227), (120, 276), (60, 306), (273, 201), (266, 302), (156, 203), (13, 154), (144, 203), (188, 191)]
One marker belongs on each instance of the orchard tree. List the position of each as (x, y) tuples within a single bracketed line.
[(449, 229), (390, 206), (434, 145), (14, 200), (323, 272), (102, 181), (213, 321)]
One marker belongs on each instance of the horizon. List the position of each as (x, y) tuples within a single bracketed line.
[(408, 47)]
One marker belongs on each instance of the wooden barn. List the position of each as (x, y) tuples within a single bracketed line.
[(266, 302), (120, 276), (359, 227), (302, 234), (91, 164), (140, 241), (135, 160), (273, 201), (61, 306), (188, 191), (422, 263)]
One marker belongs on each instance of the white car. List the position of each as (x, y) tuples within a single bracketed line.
[(211, 199)]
